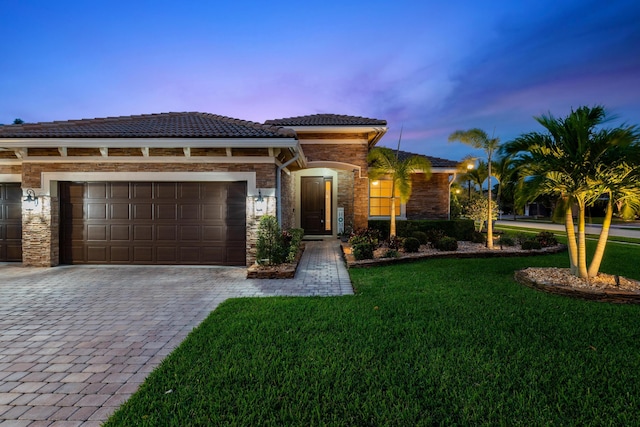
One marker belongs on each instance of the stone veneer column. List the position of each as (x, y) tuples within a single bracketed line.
[(252, 225), (40, 234)]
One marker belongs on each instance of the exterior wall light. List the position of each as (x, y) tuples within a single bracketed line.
[(31, 201), (260, 204)]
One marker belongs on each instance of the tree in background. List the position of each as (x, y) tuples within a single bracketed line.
[(477, 138), (578, 162)]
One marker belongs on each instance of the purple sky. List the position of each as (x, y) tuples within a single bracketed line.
[(425, 65)]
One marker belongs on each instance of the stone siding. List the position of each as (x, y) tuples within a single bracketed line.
[(287, 192), (40, 234)]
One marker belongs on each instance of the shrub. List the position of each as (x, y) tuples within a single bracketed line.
[(368, 235), (522, 237), (458, 228), (531, 245), (434, 235), (269, 247), (506, 240), (395, 242), (421, 236), (477, 211), (411, 244), (477, 237), (391, 253), (362, 251), (447, 244), (295, 239), (546, 239)]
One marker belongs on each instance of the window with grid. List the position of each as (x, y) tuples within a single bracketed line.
[(380, 198)]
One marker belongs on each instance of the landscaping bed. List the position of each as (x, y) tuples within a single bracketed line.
[(285, 270), (465, 250), (560, 281)]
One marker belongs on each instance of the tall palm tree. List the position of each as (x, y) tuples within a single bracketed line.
[(502, 169), (477, 138), (578, 162), (384, 162)]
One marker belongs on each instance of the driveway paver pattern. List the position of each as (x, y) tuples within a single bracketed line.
[(77, 341)]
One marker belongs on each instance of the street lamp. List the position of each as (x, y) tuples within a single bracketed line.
[(469, 168)]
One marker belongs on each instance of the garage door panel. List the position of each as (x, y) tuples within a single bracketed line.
[(189, 233), (97, 254), (120, 232), (167, 232), (120, 211), (143, 254), (142, 232), (153, 223), (97, 232), (10, 222), (119, 254), (119, 190), (96, 211), (97, 190), (189, 212), (11, 233), (166, 255), (142, 190), (166, 190), (166, 212), (142, 212), (213, 233)]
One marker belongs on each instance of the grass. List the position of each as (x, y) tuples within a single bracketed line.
[(444, 342)]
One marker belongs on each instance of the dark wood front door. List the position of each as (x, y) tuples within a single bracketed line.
[(316, 206), (10, 222), (153, 223)]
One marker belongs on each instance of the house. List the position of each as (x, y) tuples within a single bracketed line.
[(188, 188)]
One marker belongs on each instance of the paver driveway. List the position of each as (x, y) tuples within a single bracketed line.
[(76, 342)]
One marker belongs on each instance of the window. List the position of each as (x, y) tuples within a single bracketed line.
[(380, 199)]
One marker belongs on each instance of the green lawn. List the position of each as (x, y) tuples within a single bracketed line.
[(445, 342)]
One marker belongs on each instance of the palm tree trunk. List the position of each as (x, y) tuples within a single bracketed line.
[(582, 244), (602, 240), (571, 240), (393, 217), (489, 217)]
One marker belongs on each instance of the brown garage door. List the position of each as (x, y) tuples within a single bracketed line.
[(153, 223), (10, 222)]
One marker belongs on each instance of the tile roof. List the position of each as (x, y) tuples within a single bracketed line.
[(436, 162), (326, 120), (163, 125)]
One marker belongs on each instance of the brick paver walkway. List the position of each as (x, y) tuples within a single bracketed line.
[(76, 341)]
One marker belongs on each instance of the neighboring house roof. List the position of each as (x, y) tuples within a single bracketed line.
[(436, 162), (163, 125), (326, 120)]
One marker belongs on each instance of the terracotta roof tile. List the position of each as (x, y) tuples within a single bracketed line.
[(163, 125), (326, 120)]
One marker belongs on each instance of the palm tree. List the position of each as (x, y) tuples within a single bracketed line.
[(384, 162), (502, 169), (477, 138), (578, 163)]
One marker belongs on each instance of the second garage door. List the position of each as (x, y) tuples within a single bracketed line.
[(198, 223), (10, 222)]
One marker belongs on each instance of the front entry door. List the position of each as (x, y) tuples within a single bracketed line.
[(316, 205)]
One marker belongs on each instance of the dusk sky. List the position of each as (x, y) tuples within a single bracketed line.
[(431, 67)]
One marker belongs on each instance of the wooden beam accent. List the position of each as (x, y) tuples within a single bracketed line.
[(229, 154), (20, 153), (104, 151), (145, 151), (187, 151), (62, 151)]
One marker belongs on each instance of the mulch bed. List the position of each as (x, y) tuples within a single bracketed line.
[(560, 281)]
